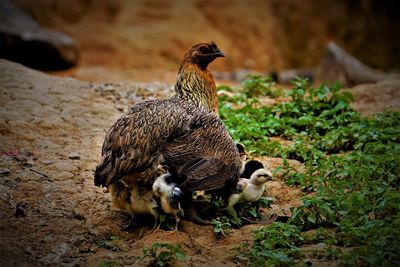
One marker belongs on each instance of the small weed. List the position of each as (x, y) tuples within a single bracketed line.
[(109, 263), (219, 225), (109, 242), (163, 254)]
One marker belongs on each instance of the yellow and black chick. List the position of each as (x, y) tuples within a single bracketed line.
[(251, 185), (136, 199)]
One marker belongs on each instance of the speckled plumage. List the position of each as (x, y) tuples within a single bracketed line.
[(206, 157), (132, 147), (185, 130)]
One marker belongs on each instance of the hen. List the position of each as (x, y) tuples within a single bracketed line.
[(132, 147)]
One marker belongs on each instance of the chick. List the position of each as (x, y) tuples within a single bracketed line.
[(170, 196), (250, 187), (136, 199)]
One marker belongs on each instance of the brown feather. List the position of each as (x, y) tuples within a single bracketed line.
[(206, 157)]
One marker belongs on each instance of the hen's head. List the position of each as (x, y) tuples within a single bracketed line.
[(204, 53)]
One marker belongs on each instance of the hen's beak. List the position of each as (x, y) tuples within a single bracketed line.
[(219, 54)]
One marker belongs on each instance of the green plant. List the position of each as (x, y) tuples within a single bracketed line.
[(219, 225), (109, 263), (256, 85), (163, 254), (351, 167), (109, 242), (274, 245), (247, 212)]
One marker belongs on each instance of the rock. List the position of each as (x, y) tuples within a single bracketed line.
[(23, 40), (6, 196), (25, 152), (20, 210), (74, 155), (29, 163), (51, 123), (339, 65), (4, 171), (47, 162), (287, 76), (21, 158), (56, 254), (29, 250), (48, 238), (65, 175), (64, 166), (10, 183)]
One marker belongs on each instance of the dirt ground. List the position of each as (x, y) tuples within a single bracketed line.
[(51, 131)]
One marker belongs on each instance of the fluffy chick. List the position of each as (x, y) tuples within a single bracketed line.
[(249, 189), (169, 195), (136, 199)]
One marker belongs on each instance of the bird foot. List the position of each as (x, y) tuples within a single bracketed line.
[(192, 215), (176, 232), (132, 225)]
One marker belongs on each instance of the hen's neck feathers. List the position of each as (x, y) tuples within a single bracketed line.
[(196, 84)]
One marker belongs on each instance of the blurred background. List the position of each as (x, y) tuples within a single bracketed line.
[(144, 41)]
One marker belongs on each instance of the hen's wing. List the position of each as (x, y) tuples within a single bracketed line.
[(206, 158), (134, 142), (203, 174)]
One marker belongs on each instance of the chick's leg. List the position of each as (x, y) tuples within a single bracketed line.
[(231, 210), (157, 221), (233, 200)]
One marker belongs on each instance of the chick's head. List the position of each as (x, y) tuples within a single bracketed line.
[(261, 176)]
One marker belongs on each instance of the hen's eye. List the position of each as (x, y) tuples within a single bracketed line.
[(203, 49)]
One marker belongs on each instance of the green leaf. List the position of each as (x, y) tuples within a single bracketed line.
[(312, 218)]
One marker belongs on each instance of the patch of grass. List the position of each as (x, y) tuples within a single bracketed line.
[(163, 254), (109, 263), (109, 242), (273, 245), (258, 85), (247, 212)]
